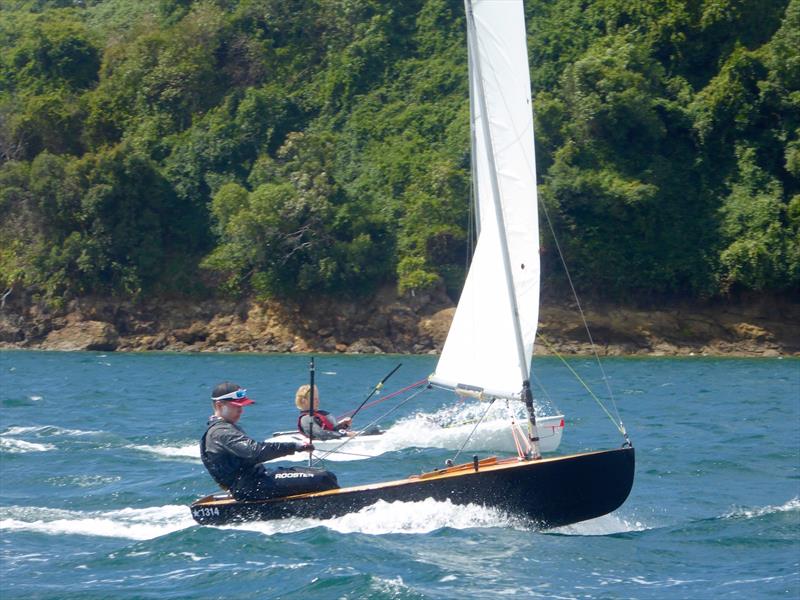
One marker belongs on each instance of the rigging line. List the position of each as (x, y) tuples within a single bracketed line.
[(470, 229), (544, 391), (523, 437), (334, 451), (374, 390), (619, 426), (520, 452), (471, 433), (392, 395), (375, 421), (583, 316), (519, 437)]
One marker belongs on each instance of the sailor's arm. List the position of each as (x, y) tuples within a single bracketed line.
[(246, 447)]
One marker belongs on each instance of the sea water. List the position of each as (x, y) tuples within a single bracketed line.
[(99, 460)]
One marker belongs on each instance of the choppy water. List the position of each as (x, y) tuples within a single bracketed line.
[(98, 457)]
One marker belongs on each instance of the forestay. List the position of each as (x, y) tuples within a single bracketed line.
[(491, 339)]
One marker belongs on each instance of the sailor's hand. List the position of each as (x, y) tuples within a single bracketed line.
[(304, 447), (345, 423)]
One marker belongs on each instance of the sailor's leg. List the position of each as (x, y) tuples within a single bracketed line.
[(296, 480)]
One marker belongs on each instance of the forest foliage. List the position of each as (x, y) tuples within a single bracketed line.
[(281, 148)]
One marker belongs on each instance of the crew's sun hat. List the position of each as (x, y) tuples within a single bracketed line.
[(231, 393)]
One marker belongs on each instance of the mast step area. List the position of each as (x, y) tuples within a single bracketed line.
[(550, 492)]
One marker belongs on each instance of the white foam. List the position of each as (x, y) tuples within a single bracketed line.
[(48, 430), (605, 525), (86, 480), (750, 513), (15, 446), (788, 576), (384, 518), (394, 587), (129, 523), (446, 428), (187, 450), (194, 557), (669, 582)]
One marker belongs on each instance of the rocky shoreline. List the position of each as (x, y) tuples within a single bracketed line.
[(386, 323)]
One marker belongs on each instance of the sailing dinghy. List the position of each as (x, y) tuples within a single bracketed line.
[(488, 350)]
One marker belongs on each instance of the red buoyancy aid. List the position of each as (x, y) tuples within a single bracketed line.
[(320, 417)]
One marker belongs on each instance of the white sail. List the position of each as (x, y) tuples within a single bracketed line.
[(491, 339)]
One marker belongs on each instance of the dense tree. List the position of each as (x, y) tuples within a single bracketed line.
[(287, 148)]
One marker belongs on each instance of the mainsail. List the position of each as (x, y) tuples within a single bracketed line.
[(490, 342)]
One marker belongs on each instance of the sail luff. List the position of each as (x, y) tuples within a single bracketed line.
[(498, 210), (472, 130)]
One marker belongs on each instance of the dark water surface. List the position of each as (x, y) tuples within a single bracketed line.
[(99, 461)]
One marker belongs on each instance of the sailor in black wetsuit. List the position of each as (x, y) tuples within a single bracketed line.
[(234, 459)]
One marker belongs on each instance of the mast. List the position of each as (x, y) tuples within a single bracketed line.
[(477, 77), (311, 399)]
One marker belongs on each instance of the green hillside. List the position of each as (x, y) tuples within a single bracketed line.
[(287, 147)]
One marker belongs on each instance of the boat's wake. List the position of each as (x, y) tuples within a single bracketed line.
[(381, 518), (129, 523), (384, 518), (149, 523)]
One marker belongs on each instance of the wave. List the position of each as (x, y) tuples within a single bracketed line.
[(15, 446), (613, 524), (752, 513), (129, 523), (606, 525), (188, 449), (384, 518), (184, 450), (43, 430)]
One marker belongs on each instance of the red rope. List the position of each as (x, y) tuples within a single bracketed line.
[(519, 436), (516, 440), (392, 395)]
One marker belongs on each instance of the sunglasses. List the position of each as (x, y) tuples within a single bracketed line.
[(237, 395)]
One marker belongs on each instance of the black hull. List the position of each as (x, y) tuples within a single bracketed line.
[(551, 492)]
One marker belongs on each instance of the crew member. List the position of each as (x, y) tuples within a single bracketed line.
[(324, 426), (235, 460)]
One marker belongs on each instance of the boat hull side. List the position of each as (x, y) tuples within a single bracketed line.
[(550, 492)]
